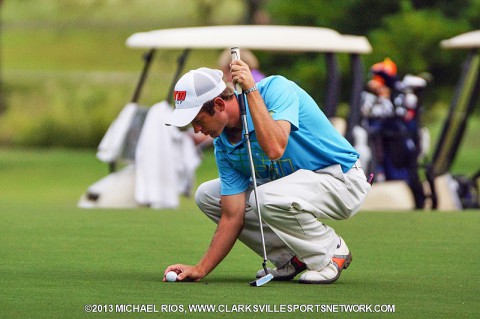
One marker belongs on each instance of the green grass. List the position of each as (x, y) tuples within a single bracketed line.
[(65, 67), (55, 257)]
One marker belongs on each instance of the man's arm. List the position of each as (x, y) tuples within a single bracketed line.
[(228, 229), (272, 135)]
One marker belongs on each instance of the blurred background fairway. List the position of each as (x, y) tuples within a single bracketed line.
[(55, 257), (66, 74)]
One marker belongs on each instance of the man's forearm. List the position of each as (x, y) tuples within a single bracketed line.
[(222, 242)]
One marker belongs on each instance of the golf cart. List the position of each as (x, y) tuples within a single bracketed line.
[(442, 190), (126, 135), (447, 191)]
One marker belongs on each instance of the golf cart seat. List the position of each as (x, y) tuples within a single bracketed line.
[(390, 195)]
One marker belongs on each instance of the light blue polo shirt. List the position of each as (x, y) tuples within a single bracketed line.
[(313, 142)]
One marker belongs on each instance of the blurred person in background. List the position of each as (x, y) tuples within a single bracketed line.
[(391, 108)]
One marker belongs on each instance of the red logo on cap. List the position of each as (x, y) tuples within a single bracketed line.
[(179, 96)]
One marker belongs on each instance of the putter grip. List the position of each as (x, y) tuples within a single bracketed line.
[(235, 52)]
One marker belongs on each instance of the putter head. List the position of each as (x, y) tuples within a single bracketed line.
[(261, 281)]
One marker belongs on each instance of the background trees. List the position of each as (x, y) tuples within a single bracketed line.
[(407, 31), (66, 72)]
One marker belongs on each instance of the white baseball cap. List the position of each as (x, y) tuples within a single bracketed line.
[(192, 90)]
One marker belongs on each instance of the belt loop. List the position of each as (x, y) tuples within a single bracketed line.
[(357, 164)]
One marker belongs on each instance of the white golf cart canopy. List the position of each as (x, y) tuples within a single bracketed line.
[(256, 37), (469, 40)]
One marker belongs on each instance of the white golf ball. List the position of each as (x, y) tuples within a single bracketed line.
[(171, 276)]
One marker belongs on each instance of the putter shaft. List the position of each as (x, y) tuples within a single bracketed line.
[(243, 112)]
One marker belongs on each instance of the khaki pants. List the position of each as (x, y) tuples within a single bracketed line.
[(291, 208)]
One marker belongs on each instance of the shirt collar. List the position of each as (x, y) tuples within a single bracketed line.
[(224, 139)]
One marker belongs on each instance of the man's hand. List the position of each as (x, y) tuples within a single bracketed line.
[(241, 74), (185, 272)]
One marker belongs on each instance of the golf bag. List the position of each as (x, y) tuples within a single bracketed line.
[(393, 131), (468, 190)]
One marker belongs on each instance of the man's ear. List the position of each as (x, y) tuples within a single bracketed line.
[(219, 104)]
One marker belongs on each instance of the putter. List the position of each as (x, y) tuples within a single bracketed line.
[(243, 112)]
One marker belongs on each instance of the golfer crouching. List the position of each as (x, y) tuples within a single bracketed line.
[(305, 169)]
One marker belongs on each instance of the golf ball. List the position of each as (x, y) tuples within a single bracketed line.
[(171, 276)]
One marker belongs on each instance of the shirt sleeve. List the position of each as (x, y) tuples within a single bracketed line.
[(282, 100)]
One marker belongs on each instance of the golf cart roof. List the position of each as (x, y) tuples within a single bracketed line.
[(259, 37), (467, 40)]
